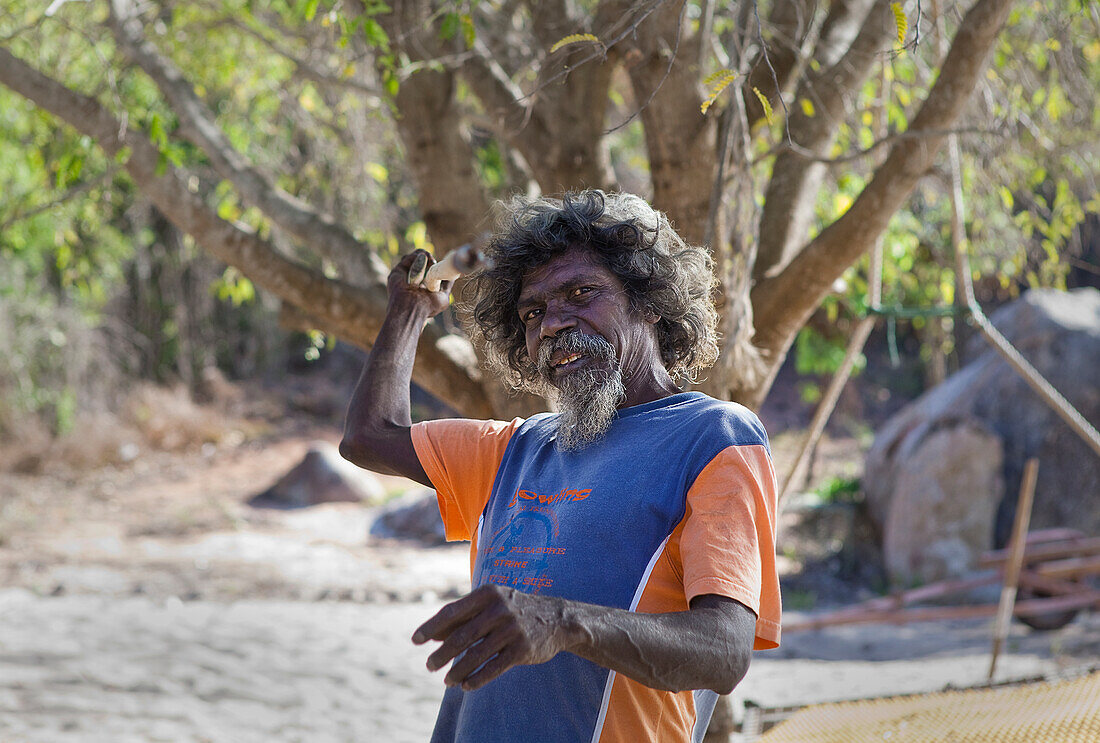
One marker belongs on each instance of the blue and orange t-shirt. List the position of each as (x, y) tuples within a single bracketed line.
[(676, 501)]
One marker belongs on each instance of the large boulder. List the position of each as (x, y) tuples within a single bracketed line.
[(946, 492), (943, 474), (413, 516), (323, 476)]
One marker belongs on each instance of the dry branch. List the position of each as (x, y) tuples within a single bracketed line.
[(320, 231), (783, 304), (1037, 552), (1031, 607), (1073, 567), (1016, 546), (355, 313)]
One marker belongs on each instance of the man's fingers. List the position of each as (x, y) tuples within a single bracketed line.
[(406, 260), (463, 637), (418, 268), (503, 660), (450, 616), (488, 650)]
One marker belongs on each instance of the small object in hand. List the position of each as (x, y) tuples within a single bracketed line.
[(461, 261)]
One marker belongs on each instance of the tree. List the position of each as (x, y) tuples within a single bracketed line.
[(484, 97)]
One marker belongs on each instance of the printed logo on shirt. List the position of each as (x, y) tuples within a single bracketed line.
[(518, 554), (563, 495)]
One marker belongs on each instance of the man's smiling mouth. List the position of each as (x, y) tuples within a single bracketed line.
[(567, 359)]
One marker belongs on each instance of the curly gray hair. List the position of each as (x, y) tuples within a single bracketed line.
[(661, 273)]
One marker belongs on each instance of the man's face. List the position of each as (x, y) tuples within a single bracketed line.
[(588, 344)]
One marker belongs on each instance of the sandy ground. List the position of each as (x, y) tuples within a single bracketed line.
[(150, 604)]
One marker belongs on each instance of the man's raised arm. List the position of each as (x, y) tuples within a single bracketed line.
[(377, 432)]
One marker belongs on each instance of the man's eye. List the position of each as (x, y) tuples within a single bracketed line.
[(530, 315), (581, 290)]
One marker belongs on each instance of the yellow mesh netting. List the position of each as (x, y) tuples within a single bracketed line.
[(1041, 712)]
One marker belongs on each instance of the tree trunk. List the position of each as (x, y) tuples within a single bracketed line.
[(734, 217), (680, 140), (796, 180), (557, 126)]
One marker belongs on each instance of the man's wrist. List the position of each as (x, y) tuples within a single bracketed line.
[(576, 625), (407, 304), (408, 314)]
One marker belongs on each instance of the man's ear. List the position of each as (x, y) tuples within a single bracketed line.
[(651, 316)]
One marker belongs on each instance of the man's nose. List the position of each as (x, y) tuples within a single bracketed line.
[(556, 320)]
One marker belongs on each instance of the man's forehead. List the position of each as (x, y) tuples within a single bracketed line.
[(572, 265)]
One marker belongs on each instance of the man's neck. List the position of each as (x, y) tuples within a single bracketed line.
[(653, 387)]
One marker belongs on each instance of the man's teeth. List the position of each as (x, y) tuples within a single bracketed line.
[(568, 359)]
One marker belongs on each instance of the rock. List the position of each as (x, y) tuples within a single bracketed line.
[(323, 476), (938, 450), (412, 516), (946, 494)]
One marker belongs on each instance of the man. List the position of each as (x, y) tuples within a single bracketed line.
[(622, 549)]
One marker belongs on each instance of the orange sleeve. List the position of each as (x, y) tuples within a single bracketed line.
[(728, 543), (461, 458)]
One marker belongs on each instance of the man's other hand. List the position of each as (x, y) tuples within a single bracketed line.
[(407, 297), (497, 628)]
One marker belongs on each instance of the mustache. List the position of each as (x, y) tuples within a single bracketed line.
[(574, 341)]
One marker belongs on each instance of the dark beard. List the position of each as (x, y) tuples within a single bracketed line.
[(588, 398)]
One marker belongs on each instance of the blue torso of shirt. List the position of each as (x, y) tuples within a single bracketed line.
[(584, 526)]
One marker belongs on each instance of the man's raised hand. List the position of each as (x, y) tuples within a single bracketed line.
[(407, 296), (497, 628)]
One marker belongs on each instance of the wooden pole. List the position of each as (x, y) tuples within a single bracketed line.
[(1015, 560), (965, 292), (1046, 551), (828, 402), (1029, 607)]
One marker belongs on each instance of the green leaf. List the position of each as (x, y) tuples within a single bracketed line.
[(157, 135), (310, 9), (69, 169), (449, 26), (901, 21), (717, 82), (1057, 105), (228, 209), (765, 105), (378, 172), (469, 34), (376, 35), (574, 39), (390, 83)]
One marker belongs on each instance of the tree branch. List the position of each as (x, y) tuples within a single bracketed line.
[(198, 126), (1001, 130), (71, 193), (793, 30), (660, 83), (452, 198), (353, 312), (371, 94), (782, 304), (510, 112), (792, 190), (557, 128)]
